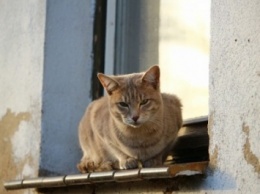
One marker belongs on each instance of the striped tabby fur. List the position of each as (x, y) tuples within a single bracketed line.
[(135, 124)]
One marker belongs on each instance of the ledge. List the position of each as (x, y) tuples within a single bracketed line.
[(165, 172), (195, 120)]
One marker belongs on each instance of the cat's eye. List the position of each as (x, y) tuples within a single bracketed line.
[(123, 104), (144, 102)]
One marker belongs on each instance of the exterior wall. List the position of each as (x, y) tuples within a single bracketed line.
[(22, 25), (45, 85), (234, 97)]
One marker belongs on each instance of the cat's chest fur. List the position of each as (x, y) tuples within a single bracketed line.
[(142, 142)]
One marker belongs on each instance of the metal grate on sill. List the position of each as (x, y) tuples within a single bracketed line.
[(184, 169)]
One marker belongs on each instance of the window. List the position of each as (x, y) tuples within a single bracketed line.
[(173, 34), (138, 35)]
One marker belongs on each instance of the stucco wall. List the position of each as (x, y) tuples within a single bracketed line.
[(45, 85), (22, 25), (234, 124)]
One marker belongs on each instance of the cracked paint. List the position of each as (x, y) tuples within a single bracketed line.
[(249, 156)]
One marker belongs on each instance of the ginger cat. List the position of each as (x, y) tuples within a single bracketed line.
[(135, 124)]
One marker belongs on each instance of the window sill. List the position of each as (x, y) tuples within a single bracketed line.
[(174, 170)]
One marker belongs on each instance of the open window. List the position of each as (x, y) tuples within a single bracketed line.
[(175, 35)]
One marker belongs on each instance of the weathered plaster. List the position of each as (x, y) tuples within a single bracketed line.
[(214, 158), (9, 124), (234, 97), (22, 28), (249, 156)]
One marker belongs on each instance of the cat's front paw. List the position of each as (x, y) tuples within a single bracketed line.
[(86, 166), (105, 166)]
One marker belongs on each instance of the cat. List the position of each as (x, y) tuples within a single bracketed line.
[(134, 126)]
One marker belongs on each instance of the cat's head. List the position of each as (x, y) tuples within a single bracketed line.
[(134, 98)]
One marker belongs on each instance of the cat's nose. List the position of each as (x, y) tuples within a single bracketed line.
[(135, 118)]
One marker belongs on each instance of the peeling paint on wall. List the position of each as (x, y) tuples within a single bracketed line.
[(9, 124), (249, 156), (214, 148), (214, 158), (22, 32), (234, 97)]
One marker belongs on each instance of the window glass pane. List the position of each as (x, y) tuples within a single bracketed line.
[(173, 34), (137, 35)]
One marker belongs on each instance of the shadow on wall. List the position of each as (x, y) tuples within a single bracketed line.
[(220, 181)]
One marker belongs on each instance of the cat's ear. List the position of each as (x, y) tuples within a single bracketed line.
[(152, 76), (108, 83)]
